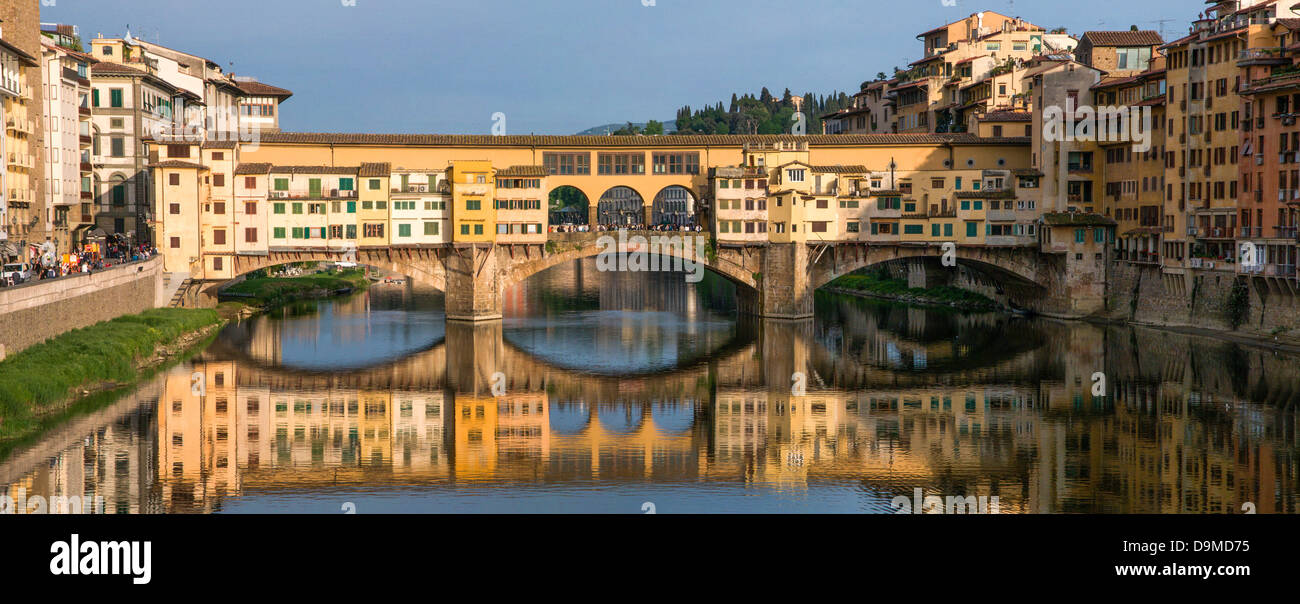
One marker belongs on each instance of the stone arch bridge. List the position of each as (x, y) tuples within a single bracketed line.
[(774, 280)]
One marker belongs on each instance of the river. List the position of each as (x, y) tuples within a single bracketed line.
[(634, 393)]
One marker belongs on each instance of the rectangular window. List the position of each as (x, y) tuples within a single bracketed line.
[(346, 184), (913, 229), (375, 184), (464, 229), (250, 235), (972, 229), (297, 208), (281, 184), (277, 208), (431, 228), (1079, 235), (403, 230), (473, 204), (278, 232), (352, 207), (174, 179), (478, 229), (115, 97), (117, 147)]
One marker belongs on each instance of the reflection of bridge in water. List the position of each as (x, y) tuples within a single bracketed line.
[(1024, 426)]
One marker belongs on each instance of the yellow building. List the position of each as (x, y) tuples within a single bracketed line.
[(521, 205), (473, 190), (373, 216)]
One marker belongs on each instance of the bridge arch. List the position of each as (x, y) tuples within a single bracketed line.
[(569, 205), (583, 245), (674, 204), (1015, 268), (621, 205), (423, 266)]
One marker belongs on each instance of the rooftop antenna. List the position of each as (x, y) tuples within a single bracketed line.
[(1160, 23)]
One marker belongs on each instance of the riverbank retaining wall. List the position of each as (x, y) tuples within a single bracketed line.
[(34, 312), (1202, 299)]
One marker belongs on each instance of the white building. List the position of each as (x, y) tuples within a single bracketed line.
[(67, 135)]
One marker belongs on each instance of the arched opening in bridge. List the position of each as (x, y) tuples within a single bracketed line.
[(621, 207), (569, 206), (675, 205)]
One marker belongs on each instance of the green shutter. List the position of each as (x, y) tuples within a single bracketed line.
[(279, 232), (352, 207), (403, 230)]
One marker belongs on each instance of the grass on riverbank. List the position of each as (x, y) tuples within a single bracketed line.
[(881, 285), (48, 372), (271, 290)]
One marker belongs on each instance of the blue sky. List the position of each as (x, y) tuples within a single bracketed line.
[(557, 66)]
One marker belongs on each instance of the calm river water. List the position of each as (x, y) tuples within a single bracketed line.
[(629, 393)]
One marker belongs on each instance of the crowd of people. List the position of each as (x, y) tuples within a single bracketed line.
[(86, 259)]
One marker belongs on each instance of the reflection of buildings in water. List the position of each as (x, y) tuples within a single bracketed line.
[(1038, 439), (107, 454)]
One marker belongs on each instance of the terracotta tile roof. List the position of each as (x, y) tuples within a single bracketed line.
[(22, 55), (259, 89), (220, 144), (106, 68), (524, 171), (1291, 24), (1123, 38), (701, 140), (176, 163), (249, 168), (849, 169), (1007, 116), (313, 170), (376, 169)]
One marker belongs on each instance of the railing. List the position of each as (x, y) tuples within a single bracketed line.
[(1247, 232), (1287, 232), (1140, 257), (322, 194)]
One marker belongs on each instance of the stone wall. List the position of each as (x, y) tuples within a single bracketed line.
[(34, 312), (1200, 298)]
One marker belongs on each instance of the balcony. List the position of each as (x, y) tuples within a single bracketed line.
[(1263, 56), (1139, 256), (322, 194), (20, 160), (19, 126), (409, 189), (1001, 215)]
